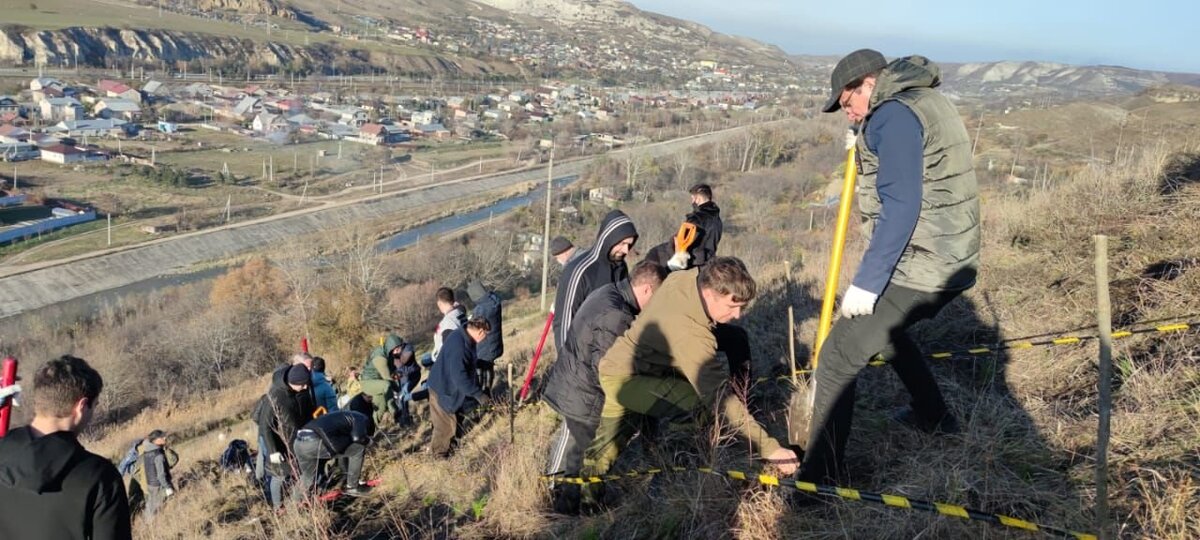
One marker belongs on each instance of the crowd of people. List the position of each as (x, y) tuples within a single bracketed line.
[(637, 350)]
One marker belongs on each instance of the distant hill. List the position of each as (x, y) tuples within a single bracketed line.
[(1077, 81), (1028, 79), (617, 19), (499, 39)]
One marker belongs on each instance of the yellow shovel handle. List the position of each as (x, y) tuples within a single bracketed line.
[(835, 258)]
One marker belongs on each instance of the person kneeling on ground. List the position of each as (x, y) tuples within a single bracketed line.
[(407, 377), (666, 365), (378, 376), (342, 435), (453, 389)]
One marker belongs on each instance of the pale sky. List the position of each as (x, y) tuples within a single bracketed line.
[(1148, 34)]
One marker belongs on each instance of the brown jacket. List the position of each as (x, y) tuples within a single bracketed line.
[(672, 337)]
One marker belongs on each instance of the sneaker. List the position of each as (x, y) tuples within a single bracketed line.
[(947, 425), (357, 491)]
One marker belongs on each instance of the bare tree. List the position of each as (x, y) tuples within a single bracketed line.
[(362, 269), (638, 164), (681, 161)]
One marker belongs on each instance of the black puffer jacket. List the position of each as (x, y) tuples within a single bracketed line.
[(589, 271), (573, 385)]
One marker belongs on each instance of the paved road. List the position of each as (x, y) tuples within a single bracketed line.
[(24, 288)]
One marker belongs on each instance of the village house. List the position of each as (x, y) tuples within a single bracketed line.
[(20, 151), (245, 109), (117, 89), (266, 122), (424, 117), (61, 108), (152, 90), (65, 155), (45, 87), (434, 131), (10, 134), (118, 108), (9, 104), (379, 134), (110, 127)]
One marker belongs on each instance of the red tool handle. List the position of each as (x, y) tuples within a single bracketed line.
[(536, 354), (7, 378)]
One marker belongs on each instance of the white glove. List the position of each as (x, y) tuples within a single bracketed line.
[(276, 458), (851, 138), (679, 261), (858, 302), (168, 492), (12, 390)]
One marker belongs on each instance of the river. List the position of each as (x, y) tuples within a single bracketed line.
[(92, 303)]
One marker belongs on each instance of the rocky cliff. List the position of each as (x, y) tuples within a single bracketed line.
[(111, 46)]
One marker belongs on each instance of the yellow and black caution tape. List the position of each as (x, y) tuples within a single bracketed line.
[(983, 350), (849, 494)]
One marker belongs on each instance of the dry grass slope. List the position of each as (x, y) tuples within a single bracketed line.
[(1029, 416)]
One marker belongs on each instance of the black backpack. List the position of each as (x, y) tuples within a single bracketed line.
[(236, 456)]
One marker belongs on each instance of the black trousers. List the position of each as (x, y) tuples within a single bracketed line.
[(850, 346), (485, 375), (568, 446)]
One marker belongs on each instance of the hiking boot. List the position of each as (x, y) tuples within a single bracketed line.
[(947, 425), (357, 491), (566, 499)]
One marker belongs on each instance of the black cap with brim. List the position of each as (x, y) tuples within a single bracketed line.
[(850, 68)]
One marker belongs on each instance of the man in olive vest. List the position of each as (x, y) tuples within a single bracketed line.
[(919, 204)]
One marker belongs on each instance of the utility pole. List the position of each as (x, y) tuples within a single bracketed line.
[(546, 231), (228, 208), (109, 229)]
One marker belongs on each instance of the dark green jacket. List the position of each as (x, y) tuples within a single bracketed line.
[(943, 254), (379, 363)]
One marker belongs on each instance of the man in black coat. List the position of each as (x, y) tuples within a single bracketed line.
[(599, 265), (573, 385), (340, 435), (287, 405), (488, 308), (50, 486), (453, 389), (706, 217)]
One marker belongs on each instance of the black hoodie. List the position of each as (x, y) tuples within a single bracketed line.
[(51, 487), (589, 271)]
